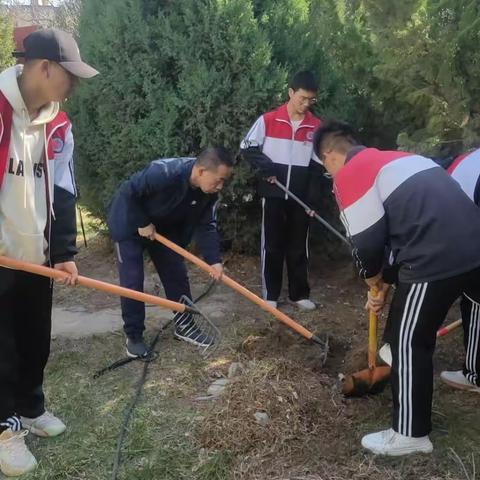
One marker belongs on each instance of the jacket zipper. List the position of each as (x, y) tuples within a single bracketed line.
[(294, 132)]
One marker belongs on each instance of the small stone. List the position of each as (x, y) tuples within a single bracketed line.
[(261, 418), (235, 369), (217, 315), (217, 387), (205, 398)]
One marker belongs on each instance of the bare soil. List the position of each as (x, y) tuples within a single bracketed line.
[(314, 432)]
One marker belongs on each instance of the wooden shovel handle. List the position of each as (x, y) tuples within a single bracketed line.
[(372, 334), (238, 288), (441, 332), (95, 284)]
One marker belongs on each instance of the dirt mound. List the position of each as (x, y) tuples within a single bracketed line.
[(299, 404)]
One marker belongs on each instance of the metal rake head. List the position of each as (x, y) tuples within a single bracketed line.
[(196, 328)]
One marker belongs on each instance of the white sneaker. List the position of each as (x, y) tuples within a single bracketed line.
[(385, 353), (305, 304), (46, 425), (458, 380), (272, 303), (389, 442), (15, 457)]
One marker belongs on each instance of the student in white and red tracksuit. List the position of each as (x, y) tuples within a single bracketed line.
[(37, 225), (409, 205), (279, 145), (465, 169)]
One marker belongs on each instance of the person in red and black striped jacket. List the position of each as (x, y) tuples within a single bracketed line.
[(405, 203), (279, 145), (465, 169)]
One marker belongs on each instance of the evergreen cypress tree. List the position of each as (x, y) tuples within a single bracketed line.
[(173, 80), (6, 42), (427, 71)]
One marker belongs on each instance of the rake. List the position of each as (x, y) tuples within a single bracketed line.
[(324, 343), (188, 317)]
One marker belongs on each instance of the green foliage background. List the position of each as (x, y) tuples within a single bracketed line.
[(178, 76), (7, 45)]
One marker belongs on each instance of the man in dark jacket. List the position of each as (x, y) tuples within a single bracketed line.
[(406, 204), (279, 145), (176, 197)]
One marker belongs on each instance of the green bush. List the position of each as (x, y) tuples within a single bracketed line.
[(176, 77), (417, 64), (7, 45)]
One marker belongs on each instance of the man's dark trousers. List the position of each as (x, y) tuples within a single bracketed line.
[(171, 270)]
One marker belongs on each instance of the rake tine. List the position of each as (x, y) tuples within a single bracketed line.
[(194, 320)]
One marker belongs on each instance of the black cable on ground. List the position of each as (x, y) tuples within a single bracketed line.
[(128, 413), (139, 387)]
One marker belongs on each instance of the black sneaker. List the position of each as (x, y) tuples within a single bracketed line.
[(186, 329), (136, 347)]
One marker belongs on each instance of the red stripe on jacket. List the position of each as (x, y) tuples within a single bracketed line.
[(456, 162), (277, 125), (359, 174), (6, 113), (58, 125)]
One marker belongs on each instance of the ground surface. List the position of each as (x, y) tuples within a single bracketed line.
[(313, 432)]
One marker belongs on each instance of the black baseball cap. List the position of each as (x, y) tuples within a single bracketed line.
[(57, 46)]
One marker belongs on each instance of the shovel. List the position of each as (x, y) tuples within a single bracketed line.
[(247, 294), (187, 312), (373, 379)]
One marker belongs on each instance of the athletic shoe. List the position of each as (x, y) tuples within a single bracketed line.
[(46, 425), (385, 353), (136, 347), (304, 304), (389, 442), (458, 380), (15, 457)]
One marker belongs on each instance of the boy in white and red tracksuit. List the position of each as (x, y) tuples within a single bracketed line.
[(407, 204), (37, 225), (465, 169), (279, 145)]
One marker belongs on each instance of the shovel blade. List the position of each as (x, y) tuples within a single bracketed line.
[(368, 381)]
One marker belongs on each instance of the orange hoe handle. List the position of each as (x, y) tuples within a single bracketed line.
[(239, 289), (372, 335), (441, 332), (95, 284)]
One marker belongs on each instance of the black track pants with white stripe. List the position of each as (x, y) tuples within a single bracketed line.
[(284, 238), (471, 338), (416, 313)]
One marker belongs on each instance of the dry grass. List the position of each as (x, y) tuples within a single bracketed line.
[(302, 406)]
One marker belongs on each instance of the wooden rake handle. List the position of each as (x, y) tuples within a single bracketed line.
[(441, 332), (239, 289), (95, 284)]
